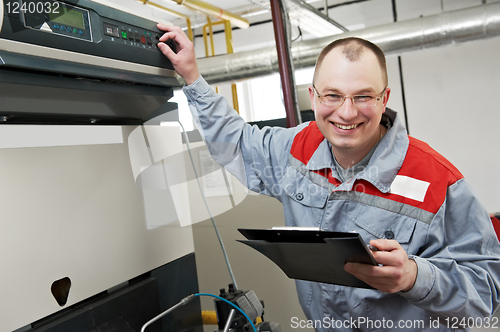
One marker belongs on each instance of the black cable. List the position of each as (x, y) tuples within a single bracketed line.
[(394, 11), (299, 36), (403, 94), (400, 66)]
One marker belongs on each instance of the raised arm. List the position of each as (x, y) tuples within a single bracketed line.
[(243, 150)]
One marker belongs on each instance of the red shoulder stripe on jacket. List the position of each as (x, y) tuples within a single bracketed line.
[(306, 142), (424, 164)]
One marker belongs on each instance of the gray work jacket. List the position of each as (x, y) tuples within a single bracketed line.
[(408, 192)]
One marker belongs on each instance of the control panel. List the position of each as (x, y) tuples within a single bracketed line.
[(105, 41), (126, 34)]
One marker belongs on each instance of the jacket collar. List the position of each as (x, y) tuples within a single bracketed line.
[(384, 163)]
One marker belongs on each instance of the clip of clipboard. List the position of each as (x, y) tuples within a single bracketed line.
[(312, 255)]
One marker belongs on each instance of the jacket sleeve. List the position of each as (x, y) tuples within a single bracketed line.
[(459, 267), (256, 157)]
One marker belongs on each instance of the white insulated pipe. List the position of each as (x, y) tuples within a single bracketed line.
[(447, 28)]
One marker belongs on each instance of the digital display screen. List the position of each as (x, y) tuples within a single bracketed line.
[(68, 17)]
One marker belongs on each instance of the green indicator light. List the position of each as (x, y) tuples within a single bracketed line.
[(124, 34), (74, 30)]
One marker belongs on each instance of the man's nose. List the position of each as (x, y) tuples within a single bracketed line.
[(347, 110)]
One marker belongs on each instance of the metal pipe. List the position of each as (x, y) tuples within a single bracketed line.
[(184, 301), (211, 10), (229, 320), (284, 63), (447, 28), (288, 30)]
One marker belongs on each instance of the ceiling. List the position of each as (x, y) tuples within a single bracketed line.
[(351, 14), (248, 9), (375, 10)]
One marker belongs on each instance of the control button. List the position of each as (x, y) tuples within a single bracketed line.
[(111, 30), (149, 41), (56, 26), (131, 36), (124, 34), (389, 235), (137, 37), (80, 32), (143, 39)]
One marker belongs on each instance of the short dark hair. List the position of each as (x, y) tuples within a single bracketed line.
[(352, 48)]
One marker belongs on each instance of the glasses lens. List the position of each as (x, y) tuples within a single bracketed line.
[(366, 101), (333, 99)]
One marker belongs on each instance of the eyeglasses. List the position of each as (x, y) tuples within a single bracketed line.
[(336, 100)]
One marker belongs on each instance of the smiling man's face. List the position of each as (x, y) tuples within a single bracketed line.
[(351, 130)]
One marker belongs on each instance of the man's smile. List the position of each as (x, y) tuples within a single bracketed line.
[(345, 127)]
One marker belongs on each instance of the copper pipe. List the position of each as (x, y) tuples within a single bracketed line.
[(229, 45), (209, 317), (210, 34), (284, 63)]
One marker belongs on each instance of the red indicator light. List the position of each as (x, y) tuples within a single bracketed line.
[(143, 39)]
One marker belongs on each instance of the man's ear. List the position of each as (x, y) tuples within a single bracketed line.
[(386, 96), (311, 97)]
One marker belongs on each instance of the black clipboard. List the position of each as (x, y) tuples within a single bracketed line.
[(312, 255)]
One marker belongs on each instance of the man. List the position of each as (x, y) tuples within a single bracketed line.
[(356, 169)]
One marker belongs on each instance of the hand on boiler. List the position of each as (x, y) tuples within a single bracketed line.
[(184, 59)]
